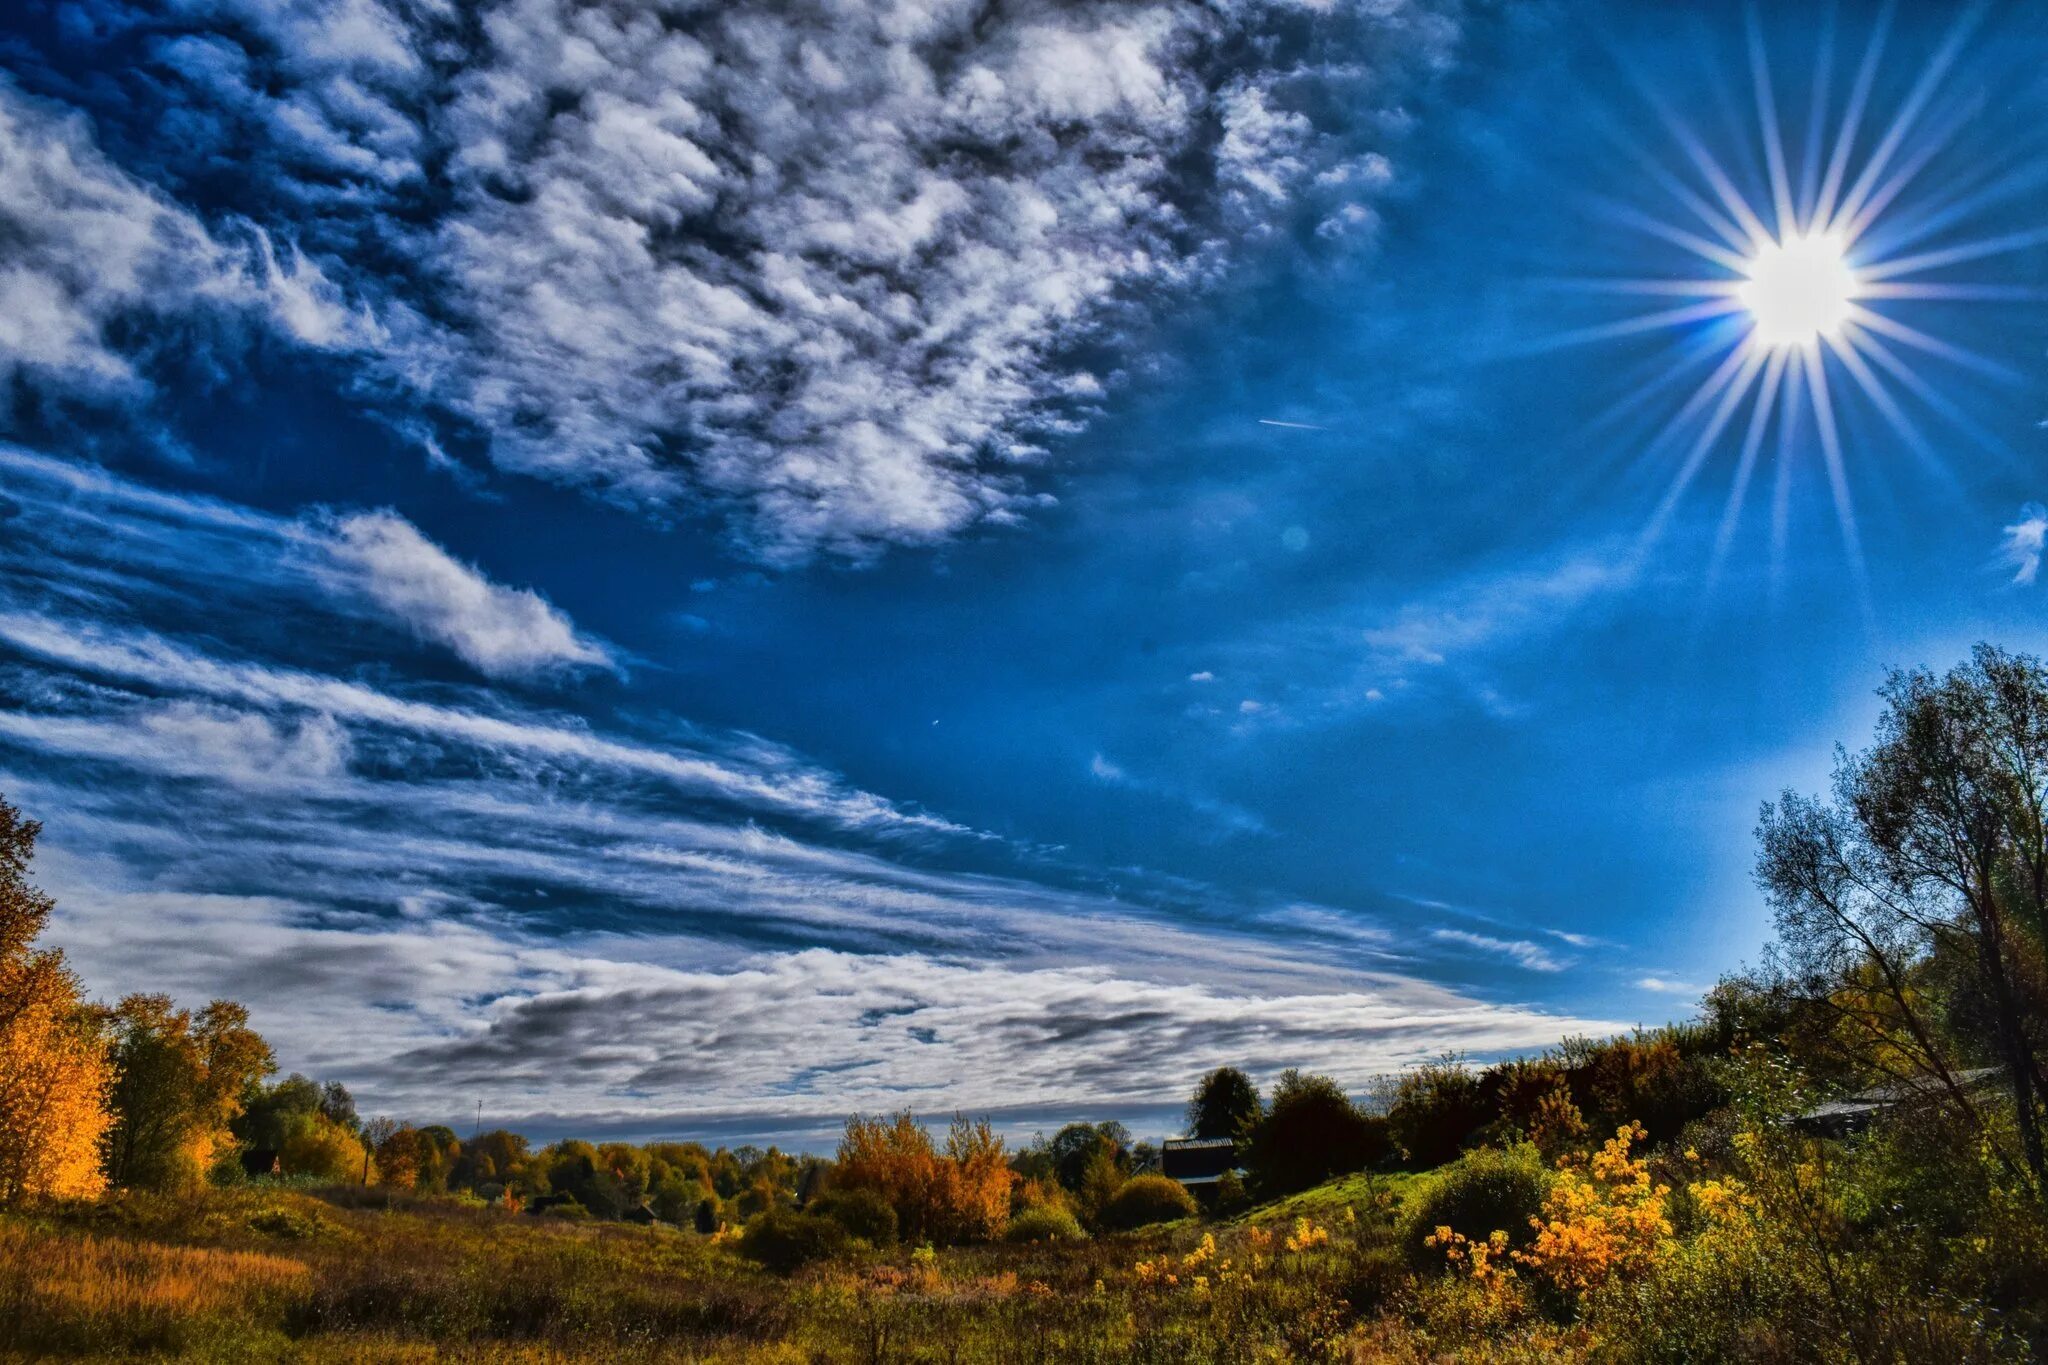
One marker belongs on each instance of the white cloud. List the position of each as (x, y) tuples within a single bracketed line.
[(1664, 985), (152, 660), (499, 631), (184, 738), (2021, 547), (84, 245), (1520, 951), (1494, 608), (828, 266)]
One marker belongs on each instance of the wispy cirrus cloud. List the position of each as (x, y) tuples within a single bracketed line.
[(1337, 660), (769, 1044), (2021, 543), (376, 563), (435, 888), (1523, 953)]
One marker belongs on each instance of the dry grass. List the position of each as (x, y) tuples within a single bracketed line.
[(77, 1292)]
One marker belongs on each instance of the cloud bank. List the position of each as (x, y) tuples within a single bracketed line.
[(85, 247), (841, 269)]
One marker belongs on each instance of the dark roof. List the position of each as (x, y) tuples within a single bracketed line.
[(1853, 1111), (1197, 1161)]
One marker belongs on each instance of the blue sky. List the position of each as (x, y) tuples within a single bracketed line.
[(664, 568)]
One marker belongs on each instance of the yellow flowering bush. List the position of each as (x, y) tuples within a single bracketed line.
[(1609, 1218), (1307, 1234)]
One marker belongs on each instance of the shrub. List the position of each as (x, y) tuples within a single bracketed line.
[(293, 1225), (325, 1150), (1486, 1192), (1148, 1199), (1045, 1223), (863, 1213), (785, 1241)]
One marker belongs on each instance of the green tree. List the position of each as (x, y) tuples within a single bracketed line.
[(179, 1084), (1225, 1104), (1311, 1132), (272, 1113), (1437, 1109)]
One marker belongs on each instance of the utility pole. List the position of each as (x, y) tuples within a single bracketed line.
[(479, 1131)]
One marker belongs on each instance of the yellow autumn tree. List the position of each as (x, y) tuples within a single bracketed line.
[(54, 1070)]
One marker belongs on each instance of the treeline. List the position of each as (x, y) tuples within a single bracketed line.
[(145, 1095)]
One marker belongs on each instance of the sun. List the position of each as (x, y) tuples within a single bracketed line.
[(1784, 277), (1798, 291)]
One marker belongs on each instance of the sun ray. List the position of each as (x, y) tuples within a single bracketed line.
[(1955, 293), (1685, 289), (1931, 145), (1630, 216), (1781, 491), (1908, 111), (1956, 255), (1647, 322), (1774, 144), (1911, 336), (1845, 350), (1838, 475), (1937, 401), (1656, 376), (1852, 117), (1745, 465), (1731, 388), (1816, 120), (1996, 183), (1731, 235)]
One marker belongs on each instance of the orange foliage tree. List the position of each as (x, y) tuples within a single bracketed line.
[(960, 1194), (54, 1072)]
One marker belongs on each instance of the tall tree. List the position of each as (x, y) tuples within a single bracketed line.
[(1312, 1131), (54, 1071), (1934, 848)]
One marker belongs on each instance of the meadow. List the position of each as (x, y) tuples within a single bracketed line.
[(1674, 1257)]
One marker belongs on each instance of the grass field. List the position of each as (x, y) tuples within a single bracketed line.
[(261, 1274)]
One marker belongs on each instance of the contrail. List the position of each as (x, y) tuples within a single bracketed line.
[(1293, 426)]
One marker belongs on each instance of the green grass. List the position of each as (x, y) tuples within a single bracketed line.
[(1330, 1199)]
